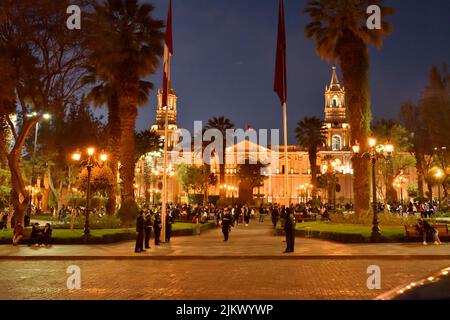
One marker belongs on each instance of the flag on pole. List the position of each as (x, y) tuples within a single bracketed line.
[(168, 52), (280, 86)]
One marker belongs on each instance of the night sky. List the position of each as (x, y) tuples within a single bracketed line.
[(224, 55)]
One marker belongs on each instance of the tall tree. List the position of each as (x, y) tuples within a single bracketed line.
[(340, 31), (43, 67), (125, 44), (147, 141), (222, 124), (389, 131), (311, 134)]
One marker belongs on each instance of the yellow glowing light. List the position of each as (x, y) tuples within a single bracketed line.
[(389, 148), (372, 142), (91, 151), (103, 157), (76, 156)]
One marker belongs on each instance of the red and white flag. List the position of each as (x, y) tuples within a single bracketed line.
[(168, 52), (280, 85)]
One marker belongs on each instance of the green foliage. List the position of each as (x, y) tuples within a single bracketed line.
[(385, 219), (101, 179), (5, 188), (128, 212), (195, 178), (195, 198), (106, 222), (147, 141), (413, 191)]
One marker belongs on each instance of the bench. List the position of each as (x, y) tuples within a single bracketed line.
[(412, 234)]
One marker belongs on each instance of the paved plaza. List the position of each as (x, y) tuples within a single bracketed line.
[(250, 266)]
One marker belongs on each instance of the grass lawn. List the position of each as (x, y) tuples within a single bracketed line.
[(66, 236), (365, 231)]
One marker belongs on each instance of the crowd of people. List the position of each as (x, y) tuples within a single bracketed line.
[(426, 209)]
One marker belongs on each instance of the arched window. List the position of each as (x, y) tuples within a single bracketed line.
[(335, 102), (336, 143)]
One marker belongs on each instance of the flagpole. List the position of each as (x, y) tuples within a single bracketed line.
[(164, 197), (286, 168)]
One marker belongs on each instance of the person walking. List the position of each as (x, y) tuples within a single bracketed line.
[(140, 233), (289, 229), (148, 230), (247, 215), (157, 226), (226, 224)]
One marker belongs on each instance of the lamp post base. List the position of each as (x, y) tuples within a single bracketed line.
[(376, 236)]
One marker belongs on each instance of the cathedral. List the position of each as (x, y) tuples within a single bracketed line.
[(337, 147)]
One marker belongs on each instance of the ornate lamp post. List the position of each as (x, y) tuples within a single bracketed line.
[(90, 162), (375, 153), (399, 183)]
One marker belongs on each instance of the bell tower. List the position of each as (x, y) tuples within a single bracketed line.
[(171, 115), (336, 121)]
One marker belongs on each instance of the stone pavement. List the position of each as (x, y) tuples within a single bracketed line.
[(250, 266), (256, 241)]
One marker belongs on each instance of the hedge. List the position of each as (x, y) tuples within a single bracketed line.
[(109, 236)]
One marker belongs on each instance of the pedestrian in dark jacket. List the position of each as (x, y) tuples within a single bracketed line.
[(227, 222), (36, 235), (157, 226), (148, 230), (140, 233), (169, 223), (47, 234), (289, 229)]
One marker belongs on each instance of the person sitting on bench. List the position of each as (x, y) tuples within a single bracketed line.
[(18, 234), (36, 235), (47, 234), (426, 229)]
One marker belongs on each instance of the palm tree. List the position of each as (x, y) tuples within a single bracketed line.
[(311, 134), (102, 93), (340, 32), (222, 124), (125, 45)]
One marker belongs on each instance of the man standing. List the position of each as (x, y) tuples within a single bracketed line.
[(157, 227), (289, 228), (226, 224), (148, 230), (169, 222), (140, 233)]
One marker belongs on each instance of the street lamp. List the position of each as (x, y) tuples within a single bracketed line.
[(45, 116), (398, 183), (90, 162), (375, 152)]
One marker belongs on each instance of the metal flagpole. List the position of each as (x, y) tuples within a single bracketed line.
[(164, 197), (286, 169)]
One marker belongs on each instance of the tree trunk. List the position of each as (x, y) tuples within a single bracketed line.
[(128, 111), (354, 61), (114, 151), (391, 194), (430, 190), (17, 184), (55, 192), (420, 175), (245, 193)]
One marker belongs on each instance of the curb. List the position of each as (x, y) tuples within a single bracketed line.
[(256, 257)]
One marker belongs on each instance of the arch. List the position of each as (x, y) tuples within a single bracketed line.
[(336, 143), (335, 102)]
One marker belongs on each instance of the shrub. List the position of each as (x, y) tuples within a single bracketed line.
[(386, 219), (128, 212)]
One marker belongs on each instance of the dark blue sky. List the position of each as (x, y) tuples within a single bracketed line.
[(224, 55)]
